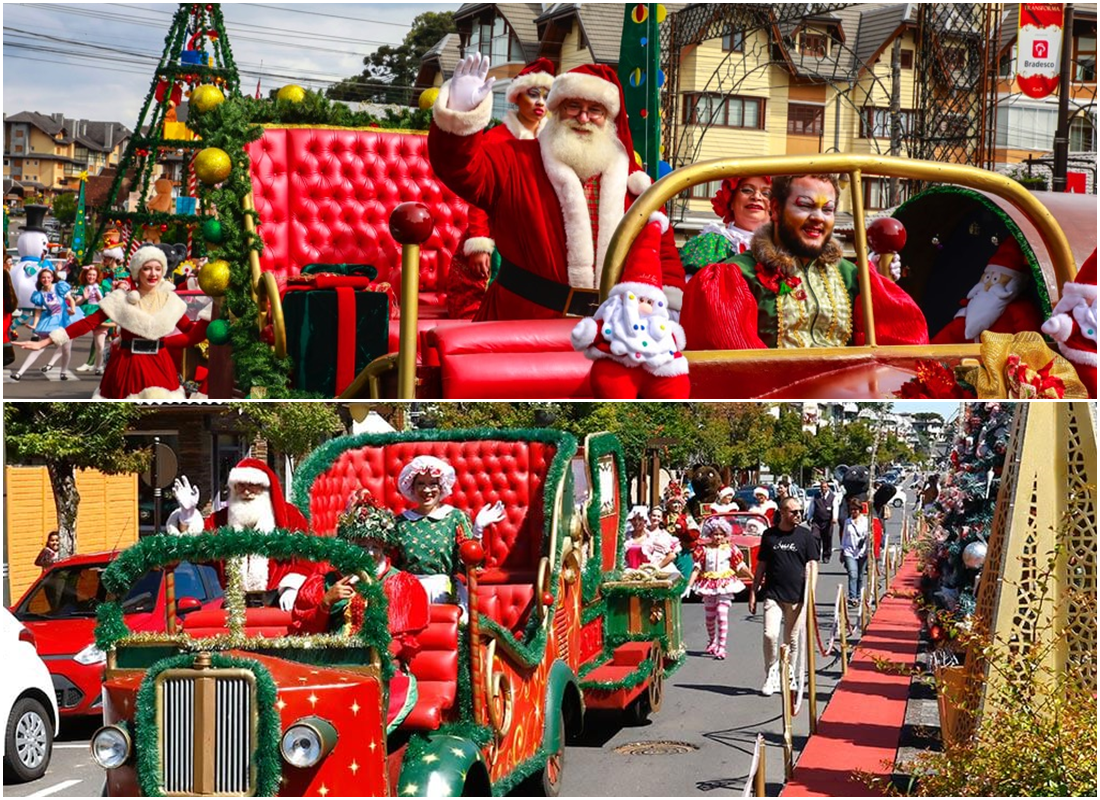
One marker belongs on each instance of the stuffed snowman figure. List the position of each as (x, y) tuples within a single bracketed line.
[(32, 243)]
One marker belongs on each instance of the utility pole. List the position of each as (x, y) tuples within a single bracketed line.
[(895, 115), (1061, 135)]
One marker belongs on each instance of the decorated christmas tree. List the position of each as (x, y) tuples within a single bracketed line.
[(961, 521)]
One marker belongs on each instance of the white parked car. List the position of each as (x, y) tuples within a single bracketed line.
[(27, 704), (900, 499)]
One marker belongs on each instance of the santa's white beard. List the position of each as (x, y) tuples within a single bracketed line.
[(987, 305), (635, 339), (1085, 316), (255, 514), (586, 154)]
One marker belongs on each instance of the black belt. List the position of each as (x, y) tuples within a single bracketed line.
[(142, 347), (566, 300)]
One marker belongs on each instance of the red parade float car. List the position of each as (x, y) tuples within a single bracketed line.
[(344, 196), (231, 703)]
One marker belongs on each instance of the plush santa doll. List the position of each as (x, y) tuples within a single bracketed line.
[(263, 511), (632, 341), (1073, 323), (995, 303)]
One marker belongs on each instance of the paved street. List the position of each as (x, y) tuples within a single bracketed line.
[(713, 707), (36, 386)]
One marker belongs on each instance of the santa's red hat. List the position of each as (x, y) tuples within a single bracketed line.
[(598, 83), (254, 471), (1064, 326), (538, 74), (642, 267), (1009, 260)]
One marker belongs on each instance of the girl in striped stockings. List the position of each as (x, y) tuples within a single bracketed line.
[(717, 578)]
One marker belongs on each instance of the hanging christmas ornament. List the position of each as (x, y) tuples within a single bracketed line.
[(213, 165), (206, 98), (218, 332), (995, 239), (291, 93), (973, 554), (214, 277), (212, 231), (428, 98)]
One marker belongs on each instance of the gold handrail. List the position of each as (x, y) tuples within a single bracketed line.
[(940, 352), (371, 375), (264, 286), (854, 166)]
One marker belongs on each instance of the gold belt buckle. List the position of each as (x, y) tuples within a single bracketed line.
[(581, 303)]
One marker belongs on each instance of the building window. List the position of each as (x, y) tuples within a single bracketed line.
[(805, 120), (18, 148), (705, 191), (733, 40), (493, 39), (814, 45), (875, 123), (500, 105), (1007, 67), (18, 133), (1082, 135), (724, 111), (906, 59), (876, 192), (1084, 58), (954, 59)]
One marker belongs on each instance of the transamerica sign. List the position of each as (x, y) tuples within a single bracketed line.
[(1039, 48)]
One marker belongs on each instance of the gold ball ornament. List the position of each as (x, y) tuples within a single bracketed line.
[(428, 98), (206, 98), (213, 165), (292, 93), (214, 277)]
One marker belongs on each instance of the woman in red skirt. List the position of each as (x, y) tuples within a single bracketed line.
[(140, 366)]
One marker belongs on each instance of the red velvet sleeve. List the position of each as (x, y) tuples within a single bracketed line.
[(471, 168), (477, 226), (86, 325), (898, 319), (191, 333), (719, 311), (307, 616)]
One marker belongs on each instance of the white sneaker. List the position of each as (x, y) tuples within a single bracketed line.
[(771, 685), (85, 368)]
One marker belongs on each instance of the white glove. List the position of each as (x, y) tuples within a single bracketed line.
[(288, 590), (470, 83), (187, 496), (487, 516)]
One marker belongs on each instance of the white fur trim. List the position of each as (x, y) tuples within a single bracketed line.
[(584, 267), (1084, 357), (661, 219), (159, 393), (59, 337), (578, 86), (641, 289), (584, 333), (478, 244), (675, 297), (133, 297), (1077, 292), (145, 254), (677, 366), (521, 83), (113, 252), (461, 123), (637, 183), (518, 129), (148, 326), (249, 475), (207, 312)]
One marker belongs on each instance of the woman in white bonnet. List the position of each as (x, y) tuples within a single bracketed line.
[(432, 532)]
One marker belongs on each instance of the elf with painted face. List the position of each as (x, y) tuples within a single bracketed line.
[(794, 288)]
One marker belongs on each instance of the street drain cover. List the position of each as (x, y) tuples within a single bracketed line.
[(655, 748)]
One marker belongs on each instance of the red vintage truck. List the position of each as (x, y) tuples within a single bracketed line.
[(231, 704)]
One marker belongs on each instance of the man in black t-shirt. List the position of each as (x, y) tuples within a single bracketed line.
[(788, 555)]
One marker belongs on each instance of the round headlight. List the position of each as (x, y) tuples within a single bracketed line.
[(110, 747), (302, 746)]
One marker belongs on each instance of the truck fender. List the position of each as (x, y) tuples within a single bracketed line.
[(562, 691), (454, 761)]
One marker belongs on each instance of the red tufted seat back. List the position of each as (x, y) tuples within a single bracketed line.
[(325, 196), (487, 471)]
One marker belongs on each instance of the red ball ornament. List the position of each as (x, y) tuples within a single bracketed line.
[(886, 235), (163, 228), (267, 335), (411, 223), (936, 632), (472, 552), (547, 599)]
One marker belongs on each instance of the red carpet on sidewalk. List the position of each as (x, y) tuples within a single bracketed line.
[(862, 724)]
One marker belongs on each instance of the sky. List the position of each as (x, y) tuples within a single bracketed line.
[(99, 59)]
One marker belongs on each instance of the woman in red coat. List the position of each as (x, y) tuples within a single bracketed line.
[(140, 366), (468, 277)]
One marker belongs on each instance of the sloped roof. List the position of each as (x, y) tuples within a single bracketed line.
[(602, 24), (877, 25), (521, 16), (447, 52), (91, 134)]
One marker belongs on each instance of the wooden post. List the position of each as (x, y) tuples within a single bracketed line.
[(788, 721), (170, 600), (759, 779), (811, 653)]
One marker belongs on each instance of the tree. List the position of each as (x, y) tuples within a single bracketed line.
[(391, 71), (64, 208), (71, 436), (292, 429)]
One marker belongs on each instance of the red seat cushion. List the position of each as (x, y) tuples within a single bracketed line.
[(266, 622), (508, 604), (436, 669)]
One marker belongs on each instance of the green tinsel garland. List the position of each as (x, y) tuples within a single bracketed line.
[(524, 770), (225, 544), (267, 758), (600, 446), (642, 590), (640, 674)]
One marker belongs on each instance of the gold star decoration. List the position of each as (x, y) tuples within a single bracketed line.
[(355, 707), (312, 700), (323, 791), (373, 746), (353, 767), (457, 751), (431, 758), (280, 704), (411, 789)]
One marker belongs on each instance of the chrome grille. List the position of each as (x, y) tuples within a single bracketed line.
[(223, 766)]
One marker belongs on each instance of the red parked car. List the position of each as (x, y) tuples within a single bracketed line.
[(60, 610)]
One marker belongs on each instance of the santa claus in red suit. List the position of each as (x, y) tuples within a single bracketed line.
[(1073, 323), (995, 303), (257, 502), (633, 344), (468, 277), (553, 202)]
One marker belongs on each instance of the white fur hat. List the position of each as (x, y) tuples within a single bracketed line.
[(146, 254), (114, 252)]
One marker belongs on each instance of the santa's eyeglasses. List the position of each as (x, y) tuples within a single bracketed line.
[(250, 488), (574, 109)]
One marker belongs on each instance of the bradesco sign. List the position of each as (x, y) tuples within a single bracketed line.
[(1039, 48)]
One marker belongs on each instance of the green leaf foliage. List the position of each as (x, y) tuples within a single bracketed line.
[(77, 435), (292, 429)]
